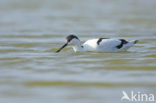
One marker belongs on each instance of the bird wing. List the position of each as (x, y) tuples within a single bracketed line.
[(102, 44), (109, 43)]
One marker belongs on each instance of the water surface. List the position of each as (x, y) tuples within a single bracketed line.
[(32, 30)]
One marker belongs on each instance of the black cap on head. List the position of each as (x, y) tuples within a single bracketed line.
[(70, 37)]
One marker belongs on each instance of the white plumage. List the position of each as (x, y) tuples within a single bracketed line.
[(98, 45), (107, 45)]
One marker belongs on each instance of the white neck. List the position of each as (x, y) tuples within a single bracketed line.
[(78, 48)]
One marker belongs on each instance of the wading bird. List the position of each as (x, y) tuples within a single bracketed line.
[(98, 45)]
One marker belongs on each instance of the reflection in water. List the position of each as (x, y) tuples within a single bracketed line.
[(31, 31)]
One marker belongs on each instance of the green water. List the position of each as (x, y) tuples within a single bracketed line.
[(32, 30)]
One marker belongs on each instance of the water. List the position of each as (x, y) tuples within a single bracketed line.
[(32, 30)]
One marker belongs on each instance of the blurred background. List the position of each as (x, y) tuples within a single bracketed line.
[(32, 30)]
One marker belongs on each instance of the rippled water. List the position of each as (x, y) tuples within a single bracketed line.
[(32, 30)]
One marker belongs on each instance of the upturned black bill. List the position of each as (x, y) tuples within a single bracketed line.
[(62, 47)]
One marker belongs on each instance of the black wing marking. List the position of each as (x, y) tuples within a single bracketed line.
[(123, 41), (100, 39)]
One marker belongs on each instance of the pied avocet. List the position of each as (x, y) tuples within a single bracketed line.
[(99, 45)]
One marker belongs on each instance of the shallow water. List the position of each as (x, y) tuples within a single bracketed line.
[(32, 30)]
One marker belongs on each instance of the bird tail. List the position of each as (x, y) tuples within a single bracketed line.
[(134, 42), (129, 44)]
